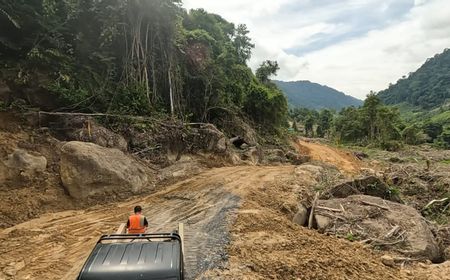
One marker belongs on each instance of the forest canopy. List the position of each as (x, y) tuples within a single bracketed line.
[(136, 57), (428, 87)]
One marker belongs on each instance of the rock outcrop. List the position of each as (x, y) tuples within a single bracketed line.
[(89, 170), (101, 136)]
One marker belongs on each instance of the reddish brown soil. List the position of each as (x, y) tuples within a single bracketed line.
[(345, 161)]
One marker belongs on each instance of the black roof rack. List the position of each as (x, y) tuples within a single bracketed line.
[(135, 256)]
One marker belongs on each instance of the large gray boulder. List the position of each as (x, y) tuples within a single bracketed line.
[(252, 155), (26, 162), (90, 170), (384, 224), (101, 136), (301, 216), (21, 166), (207, 138), (88, 130)]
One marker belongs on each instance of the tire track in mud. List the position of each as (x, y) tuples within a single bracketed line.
[(55, 246)]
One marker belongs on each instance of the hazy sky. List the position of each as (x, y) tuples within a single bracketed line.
[(352, 45)]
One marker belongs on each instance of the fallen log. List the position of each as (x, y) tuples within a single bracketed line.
[(328, 209)]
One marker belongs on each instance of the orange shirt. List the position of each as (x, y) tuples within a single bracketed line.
[(137, 224)]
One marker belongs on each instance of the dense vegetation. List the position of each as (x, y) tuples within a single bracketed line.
[(314, 96), (428, 87), (136, 57)]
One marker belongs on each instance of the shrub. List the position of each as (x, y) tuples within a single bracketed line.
[(391, 145), (411, 135), (444, 139)]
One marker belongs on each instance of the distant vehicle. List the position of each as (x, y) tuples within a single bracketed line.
[(136, 257)]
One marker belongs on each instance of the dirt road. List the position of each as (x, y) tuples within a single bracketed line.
[(56, 245), (346, 162)]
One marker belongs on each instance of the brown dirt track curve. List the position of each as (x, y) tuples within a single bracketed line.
[(346, 162)]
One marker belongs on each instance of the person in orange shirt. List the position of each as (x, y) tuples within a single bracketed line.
[(137, 223)]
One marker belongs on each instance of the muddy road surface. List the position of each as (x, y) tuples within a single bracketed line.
[(55, 246)]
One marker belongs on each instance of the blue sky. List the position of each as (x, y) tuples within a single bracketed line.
[(352, 45)]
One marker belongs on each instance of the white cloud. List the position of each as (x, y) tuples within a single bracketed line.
[(355, 64), (237, 10)]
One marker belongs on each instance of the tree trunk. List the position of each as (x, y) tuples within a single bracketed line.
[(170, 90)]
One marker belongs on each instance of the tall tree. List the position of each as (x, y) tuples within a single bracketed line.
[(243, 43), (324, 123), (267, 69), (370, 107), (309, 126)]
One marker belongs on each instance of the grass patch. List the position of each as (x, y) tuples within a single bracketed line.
[(350, 237)]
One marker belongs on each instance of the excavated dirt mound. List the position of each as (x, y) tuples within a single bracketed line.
[(346, 162), (267, 245)]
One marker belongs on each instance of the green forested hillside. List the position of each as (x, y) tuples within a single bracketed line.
[(135, 57), (310, 95), (428, 87)]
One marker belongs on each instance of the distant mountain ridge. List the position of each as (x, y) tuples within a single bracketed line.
[(428, 87), (315, 96)]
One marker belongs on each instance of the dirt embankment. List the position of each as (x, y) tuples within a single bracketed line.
[(26, 195), (267, 245), (345, 161), (22, 196)]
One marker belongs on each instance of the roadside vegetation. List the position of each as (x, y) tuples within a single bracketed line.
[(135, 57), (373, 125)]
